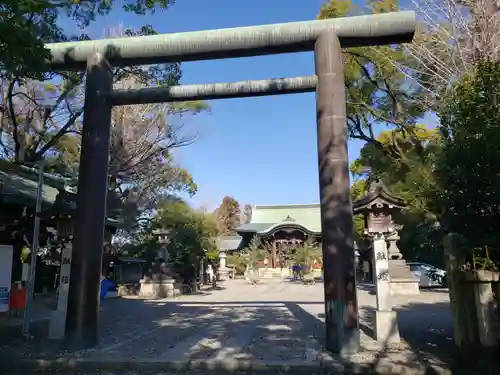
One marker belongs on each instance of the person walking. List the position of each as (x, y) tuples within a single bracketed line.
[(282, 265), (295, 271)]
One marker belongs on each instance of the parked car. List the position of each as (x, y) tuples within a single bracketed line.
[(428, 275)]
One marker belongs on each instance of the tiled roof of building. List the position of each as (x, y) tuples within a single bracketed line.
[(266, 218), (17, 188)]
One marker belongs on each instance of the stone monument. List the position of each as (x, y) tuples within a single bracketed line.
[(158, 281), (379, 207)]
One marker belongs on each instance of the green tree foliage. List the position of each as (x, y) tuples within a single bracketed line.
[(379, 94), (192, 235), (467, 168), (405, 163), (26, 25), (358, 190), (254, 253), (377, 91), (394, 86), (249, 256), (228, 215), (238, 261), (42, 119), (307, 254)]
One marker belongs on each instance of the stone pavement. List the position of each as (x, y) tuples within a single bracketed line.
[(43, 304), (274, 324)]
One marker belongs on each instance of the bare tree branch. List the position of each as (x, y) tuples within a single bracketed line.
[(451, 37)]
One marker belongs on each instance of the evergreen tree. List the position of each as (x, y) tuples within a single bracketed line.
[(228, 215)]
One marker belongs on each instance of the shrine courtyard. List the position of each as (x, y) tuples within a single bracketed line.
[(277, 324)]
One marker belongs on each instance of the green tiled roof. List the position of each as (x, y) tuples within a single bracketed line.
[(16, 188), (266, 218), (254, 227), (21, 188)]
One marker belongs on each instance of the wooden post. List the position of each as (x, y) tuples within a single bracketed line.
[(273, 256)]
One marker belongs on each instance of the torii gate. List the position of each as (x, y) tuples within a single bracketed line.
[(325, 37)]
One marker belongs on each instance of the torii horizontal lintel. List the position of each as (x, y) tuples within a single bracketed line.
[(238, 89), (376, 29)]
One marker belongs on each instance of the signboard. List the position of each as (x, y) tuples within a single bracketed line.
[(379, 222), (6, 254)]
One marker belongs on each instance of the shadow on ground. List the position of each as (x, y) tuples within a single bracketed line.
[(279, 331)]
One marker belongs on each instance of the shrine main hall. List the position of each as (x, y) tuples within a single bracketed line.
[(279, 228)]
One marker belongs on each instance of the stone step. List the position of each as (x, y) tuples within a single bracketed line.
[(401, 272), (397, 263), (402, 275)]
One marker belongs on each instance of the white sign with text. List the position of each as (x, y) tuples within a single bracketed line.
[(6, 254), (58, 320), (382, 282)]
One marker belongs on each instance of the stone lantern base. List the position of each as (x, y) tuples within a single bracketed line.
[(223, 274), (223, 271), (403, 283), (155, 289)]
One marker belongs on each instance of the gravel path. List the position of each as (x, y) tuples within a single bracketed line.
[(274, 321)]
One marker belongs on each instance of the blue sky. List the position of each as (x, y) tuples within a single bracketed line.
[(258, 150)]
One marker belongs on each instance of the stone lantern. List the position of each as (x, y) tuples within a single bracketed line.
[(223, 272), (64, 227), (162, 235), (62, 212), (379, 208), (159, 283), (164, 240)]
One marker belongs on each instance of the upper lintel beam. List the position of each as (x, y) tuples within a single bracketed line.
[(377, 29)]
